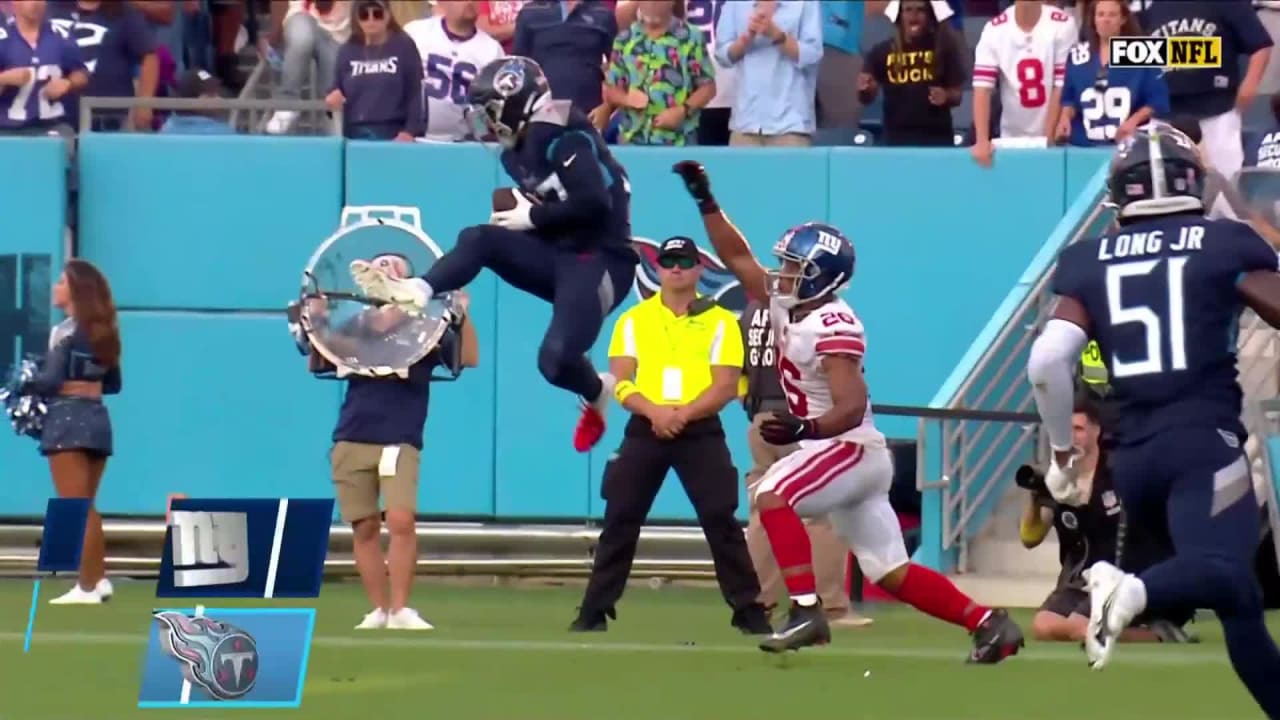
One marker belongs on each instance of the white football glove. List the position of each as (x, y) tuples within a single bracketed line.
[(411, 293), (517, 218), (1063, 483)]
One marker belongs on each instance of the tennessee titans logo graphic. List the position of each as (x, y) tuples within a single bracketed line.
[(218, 658), (509, 78), (716, 281)]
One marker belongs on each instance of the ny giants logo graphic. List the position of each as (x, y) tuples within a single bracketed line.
[(215, 656), (716, 281)]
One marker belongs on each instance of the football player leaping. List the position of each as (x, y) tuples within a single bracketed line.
[(570, 246), (843, 467)]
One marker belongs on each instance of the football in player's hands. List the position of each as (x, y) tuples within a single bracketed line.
[(504, 199)]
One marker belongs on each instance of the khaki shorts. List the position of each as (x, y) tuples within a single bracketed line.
[(356, 479)]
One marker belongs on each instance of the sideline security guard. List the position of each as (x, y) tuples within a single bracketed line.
[(678, 359)]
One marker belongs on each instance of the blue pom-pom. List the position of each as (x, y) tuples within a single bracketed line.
[(26, 412)]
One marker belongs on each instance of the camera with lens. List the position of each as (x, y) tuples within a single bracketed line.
[(1030, 478)]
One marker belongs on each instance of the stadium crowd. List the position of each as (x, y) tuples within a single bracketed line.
[(795, 73)]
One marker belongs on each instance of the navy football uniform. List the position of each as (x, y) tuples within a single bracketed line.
[(584, 194), (1162, 300), (1104, 97)]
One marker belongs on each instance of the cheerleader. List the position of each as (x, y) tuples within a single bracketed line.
[(83, 364)]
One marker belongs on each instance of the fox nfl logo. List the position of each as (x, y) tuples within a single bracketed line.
[(1169, 53)]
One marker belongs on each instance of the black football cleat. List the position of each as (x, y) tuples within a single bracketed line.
[(592, 620), (806, 626), (752, 620), (997, 638)]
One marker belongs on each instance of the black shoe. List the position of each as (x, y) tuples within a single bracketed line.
[(996, 638), (806, 626), (752, 620), (1167, 632), (592, 620)]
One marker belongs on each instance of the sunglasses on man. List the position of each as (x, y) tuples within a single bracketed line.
[(670, 261)]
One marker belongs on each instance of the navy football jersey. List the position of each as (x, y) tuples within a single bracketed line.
[(584, 193), (54, 56), (1162, 301), (1103, 98)]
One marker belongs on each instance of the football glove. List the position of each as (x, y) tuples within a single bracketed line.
[(518, 217), (697, 183), (786, 429), (1063, 482), (410, 294)]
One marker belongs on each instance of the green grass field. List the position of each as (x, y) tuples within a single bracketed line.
[(501, 653)]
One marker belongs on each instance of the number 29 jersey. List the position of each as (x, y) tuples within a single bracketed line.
[(831, 329), (1164, 309), (1028, 66), (449, 64), (1103, 98)]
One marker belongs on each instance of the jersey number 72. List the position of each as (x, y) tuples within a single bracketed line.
[(1154, 327)]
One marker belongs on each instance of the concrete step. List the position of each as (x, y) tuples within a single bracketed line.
[(1010, 591), (1009, 557)]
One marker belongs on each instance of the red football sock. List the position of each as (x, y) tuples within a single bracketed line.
[(790, 542), (931, 593)]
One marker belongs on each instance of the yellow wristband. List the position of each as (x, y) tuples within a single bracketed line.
[(624, 390)]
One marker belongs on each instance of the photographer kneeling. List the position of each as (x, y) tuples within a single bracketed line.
[(1087, 534)]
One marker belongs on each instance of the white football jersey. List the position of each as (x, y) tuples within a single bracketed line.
[(1027, 66), (449, 63), (831, 329)]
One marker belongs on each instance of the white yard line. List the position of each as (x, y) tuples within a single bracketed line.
[(853, 648)]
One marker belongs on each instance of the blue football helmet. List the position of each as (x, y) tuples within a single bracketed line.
[(825, 261)]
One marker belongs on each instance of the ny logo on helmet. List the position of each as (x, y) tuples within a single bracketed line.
[(716, 281)]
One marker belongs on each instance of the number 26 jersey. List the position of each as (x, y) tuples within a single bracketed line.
[(831, 329)]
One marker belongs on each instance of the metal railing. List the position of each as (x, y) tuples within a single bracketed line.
[(332, 124)]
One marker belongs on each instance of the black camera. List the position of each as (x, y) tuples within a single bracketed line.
[(1030, 478)]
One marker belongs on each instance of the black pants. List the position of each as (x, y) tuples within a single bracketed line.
[(631, 483), (582, 287)]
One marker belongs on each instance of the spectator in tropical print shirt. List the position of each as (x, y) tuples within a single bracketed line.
[(659, 77)]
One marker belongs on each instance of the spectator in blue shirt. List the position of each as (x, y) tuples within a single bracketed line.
[(838, 105), (114, 38), (39, 69), (570, 39), (378, 80), (192, 84), (777, 44)]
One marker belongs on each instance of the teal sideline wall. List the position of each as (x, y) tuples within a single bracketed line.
[(203, 239)]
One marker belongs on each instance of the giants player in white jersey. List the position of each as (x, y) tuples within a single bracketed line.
[(843, 468), (453, 50), (1024, 49)]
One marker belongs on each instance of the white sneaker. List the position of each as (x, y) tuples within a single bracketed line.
[(78, 596), (105, 589), (281, 122), (413, 293), (407, 619), (1115, 599), (375, 620)]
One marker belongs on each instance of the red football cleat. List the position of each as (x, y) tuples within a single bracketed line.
[(590, 428)]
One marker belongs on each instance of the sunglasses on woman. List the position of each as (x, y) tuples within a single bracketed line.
[(684, 263), (372, 12)]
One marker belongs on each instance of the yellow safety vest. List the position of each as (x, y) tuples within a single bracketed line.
[(1092, 370)]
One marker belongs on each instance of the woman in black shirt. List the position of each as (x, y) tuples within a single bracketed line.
[(922, 73)]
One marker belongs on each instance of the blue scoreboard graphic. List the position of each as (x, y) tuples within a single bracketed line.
[(226, 658), (223, 548)]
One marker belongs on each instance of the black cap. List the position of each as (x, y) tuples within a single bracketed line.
[(195, 83), (679, 246)]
